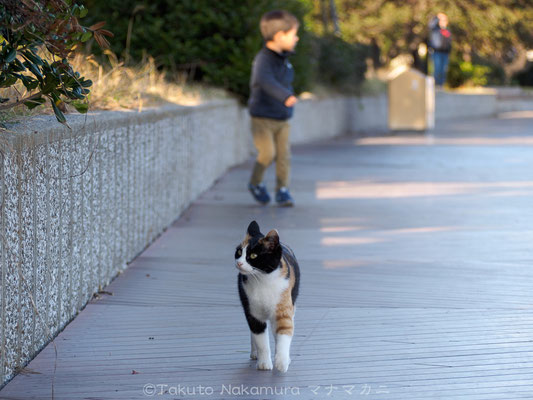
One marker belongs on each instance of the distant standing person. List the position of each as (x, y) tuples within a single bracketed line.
[(271, 104), (440, 41)]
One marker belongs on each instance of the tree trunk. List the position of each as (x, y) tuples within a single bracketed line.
[(334, 17), (518, 63), (375, 54), (324, 15)]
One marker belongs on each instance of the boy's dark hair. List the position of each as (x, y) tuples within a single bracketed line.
[(275, 21)]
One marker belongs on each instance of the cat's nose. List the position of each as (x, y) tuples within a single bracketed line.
[(239, 264)]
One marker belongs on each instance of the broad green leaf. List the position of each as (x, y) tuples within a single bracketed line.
[(76, 94), (31, 104), (34, 69), (11, 55), (83, 12), (8, 81), (32, 57), (86, 36), (58, 113), (81, 107), (17, 66), (76, 10)]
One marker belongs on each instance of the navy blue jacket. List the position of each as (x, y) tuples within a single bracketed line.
[(270, 85), (440, 39)]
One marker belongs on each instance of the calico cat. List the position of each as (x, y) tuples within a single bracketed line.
[(268, 281)]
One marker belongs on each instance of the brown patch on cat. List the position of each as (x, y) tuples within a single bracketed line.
[(284, 268), (271, 240), (285, 308)]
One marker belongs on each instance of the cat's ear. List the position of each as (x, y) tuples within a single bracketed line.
[(271, 240), (253, 229)]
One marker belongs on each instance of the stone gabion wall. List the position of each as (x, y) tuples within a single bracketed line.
[(78, 204)]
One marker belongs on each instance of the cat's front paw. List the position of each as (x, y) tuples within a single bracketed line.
[(282, 363), (264, 364)]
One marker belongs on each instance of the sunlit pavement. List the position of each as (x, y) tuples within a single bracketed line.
[(416, 258)]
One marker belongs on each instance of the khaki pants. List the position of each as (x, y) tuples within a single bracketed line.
[(271, 139)]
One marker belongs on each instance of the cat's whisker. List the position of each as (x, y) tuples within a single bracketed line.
[(255, 276)]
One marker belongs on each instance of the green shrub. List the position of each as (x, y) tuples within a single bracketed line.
[(36, 39), (480, 72), (210, 41), (341, 65)]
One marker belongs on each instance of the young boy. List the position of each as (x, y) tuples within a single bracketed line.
[(271, 104)]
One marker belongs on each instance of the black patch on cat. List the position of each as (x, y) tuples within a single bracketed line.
[(290, 258), (254, 324), (267, 259), (239, 247), (296, 287), (253, 229), (255, 234)]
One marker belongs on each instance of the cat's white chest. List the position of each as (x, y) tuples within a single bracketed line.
[(264, 294)]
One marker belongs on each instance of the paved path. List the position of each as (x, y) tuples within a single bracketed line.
[(416, 282)]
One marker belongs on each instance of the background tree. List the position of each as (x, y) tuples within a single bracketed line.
[(215, 41), (496, 32), (209, 41)]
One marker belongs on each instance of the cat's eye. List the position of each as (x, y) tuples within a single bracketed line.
[(239, 252), (253, 255)]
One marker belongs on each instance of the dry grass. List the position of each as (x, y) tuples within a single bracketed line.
[(119, 87)]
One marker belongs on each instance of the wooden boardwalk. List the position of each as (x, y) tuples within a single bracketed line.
[(416, 258)]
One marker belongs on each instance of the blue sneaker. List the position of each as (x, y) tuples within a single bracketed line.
[(259, 192), (283, 197)]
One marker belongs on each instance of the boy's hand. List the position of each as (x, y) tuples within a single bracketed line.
[(291, 101)]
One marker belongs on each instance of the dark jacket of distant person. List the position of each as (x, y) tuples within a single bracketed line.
[(440, 39)]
